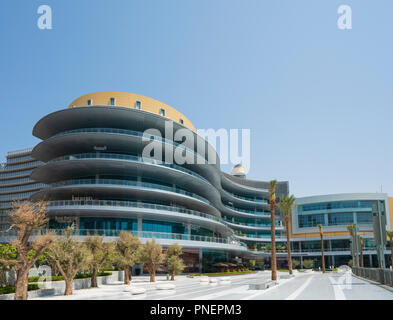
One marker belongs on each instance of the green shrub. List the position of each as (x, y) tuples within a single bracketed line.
[(78, 276), (111, 269), (11, 289), (308, 263), (295, 263)]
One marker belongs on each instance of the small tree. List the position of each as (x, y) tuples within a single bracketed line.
[(99, 254), (295, 263), (127, 252), (174, 262), (7, 252), (25, 218), (70, 257), (152, 257), (308, 263)]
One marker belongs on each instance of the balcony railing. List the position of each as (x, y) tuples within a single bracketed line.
[(132, 133), (131, 204), (251, 199), (261, 214), (117, 182), (114, 156), (139, 234)]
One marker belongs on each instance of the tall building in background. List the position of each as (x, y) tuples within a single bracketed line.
[(15, 182)]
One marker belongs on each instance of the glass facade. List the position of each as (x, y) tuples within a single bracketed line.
[(337, 213), (308, 221)]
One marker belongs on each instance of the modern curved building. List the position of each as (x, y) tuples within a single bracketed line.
[(97, 176)]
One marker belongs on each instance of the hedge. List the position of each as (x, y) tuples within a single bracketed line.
[(11, 289), (78, 276)]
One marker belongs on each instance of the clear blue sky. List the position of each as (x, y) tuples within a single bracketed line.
[(318, 100)]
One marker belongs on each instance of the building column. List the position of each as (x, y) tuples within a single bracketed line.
[(333, 261), (139, 225), (200, 261), (189, 230)]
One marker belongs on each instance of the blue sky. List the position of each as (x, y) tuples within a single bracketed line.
[(318, 100)]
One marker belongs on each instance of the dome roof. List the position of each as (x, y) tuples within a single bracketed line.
[(239, 171), (132, 100)]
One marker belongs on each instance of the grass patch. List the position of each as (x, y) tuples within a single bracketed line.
[(283, 270), (11, 289)]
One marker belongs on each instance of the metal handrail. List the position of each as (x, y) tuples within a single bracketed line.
[(131, 204), (126, 183), (139, 234), (128, 157)]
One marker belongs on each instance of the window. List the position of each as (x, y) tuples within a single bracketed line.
[(181, 121), (162, 112), (308, 221), (138, 105), (112, 101), (341, 218), (364, 217), (89, 102)]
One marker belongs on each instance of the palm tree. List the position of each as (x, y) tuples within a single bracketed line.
[(286, 204), (361, 252), (322, 248), (273, 227), (390, 235), (351, 228)]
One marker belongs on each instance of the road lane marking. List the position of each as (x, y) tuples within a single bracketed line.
[(294, 295), (337, 288)]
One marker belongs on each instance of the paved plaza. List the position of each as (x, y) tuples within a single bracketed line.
[(303, 286)]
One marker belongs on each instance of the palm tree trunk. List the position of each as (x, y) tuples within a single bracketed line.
[(288, 247), (361, 255), (273, 237), (323, 254), (391, 251)]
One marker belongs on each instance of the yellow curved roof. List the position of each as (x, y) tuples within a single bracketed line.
[(126, 99)]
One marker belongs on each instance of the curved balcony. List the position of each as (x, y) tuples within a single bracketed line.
[(149, 210), (139, 159), (185, 240), (266, 238), (251, 226), (128, 183), (249, 200), (246, 213)]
